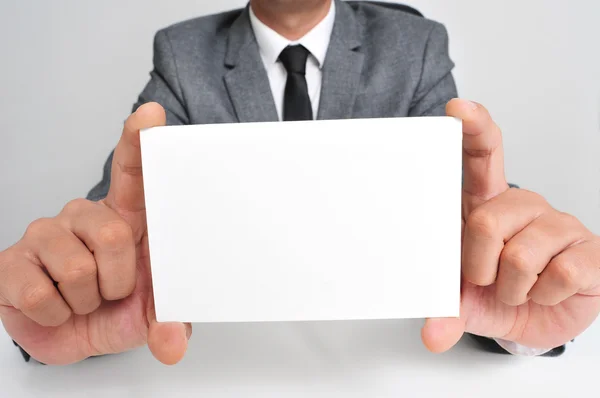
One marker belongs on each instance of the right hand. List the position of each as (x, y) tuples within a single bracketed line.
[(79, 285)]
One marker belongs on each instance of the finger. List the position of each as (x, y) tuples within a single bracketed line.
[(527, 254), (573, 271), (168, 342), (492, 224), (27, 288), (27, 332), (441, 334), (483, 155), (127, 190), (111, 240), (69, 263)]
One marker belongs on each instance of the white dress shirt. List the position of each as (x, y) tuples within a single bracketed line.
[(271, 44)]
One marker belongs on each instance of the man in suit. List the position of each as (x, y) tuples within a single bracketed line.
[(78, 285)]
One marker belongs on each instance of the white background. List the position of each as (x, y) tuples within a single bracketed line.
[(70, 71)]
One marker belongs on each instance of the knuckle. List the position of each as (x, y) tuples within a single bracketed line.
[(130, 169), (529, 196), (536, 197), (115, 233), (518, 258), (34, 298), (79, 269), (76, 206), (566, 273), (482, 223), (479, 152), (7, 259), (569, 221), (39, 228), (515, 193)]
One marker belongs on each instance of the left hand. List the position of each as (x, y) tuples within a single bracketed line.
[(531, 274)]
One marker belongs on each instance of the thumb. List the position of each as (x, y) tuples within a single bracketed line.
[(483, 154), (126, 194), (168, 342), (441, 334)]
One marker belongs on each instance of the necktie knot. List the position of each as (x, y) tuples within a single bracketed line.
[(294, 59)]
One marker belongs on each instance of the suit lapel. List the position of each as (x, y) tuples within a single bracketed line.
[(246, 80), (343, 66)]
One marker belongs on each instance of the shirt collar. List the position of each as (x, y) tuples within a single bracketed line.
[(271, 43)]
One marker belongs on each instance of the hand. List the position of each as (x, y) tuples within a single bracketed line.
[(79, 284), (531, 274)]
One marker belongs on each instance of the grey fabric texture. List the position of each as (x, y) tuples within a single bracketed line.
[(380, 63)]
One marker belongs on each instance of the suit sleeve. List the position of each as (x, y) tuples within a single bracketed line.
[(436, 86), (163, 88)]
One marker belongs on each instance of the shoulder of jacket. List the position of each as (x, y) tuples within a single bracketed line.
[(377, 18), (205, 26)]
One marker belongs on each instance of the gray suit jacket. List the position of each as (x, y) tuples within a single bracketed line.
[(380, 63)]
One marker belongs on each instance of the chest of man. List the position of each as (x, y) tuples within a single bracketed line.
[(356, 87)]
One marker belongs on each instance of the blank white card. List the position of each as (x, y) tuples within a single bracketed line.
[(305, 221)]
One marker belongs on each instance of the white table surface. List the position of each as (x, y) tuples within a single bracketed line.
[(342, 359)]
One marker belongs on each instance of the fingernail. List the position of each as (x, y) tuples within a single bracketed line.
[(188, 331)]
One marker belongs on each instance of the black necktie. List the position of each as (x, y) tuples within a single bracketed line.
[(296, 104)]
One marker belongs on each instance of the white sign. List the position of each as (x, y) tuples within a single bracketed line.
[(305, 221)]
